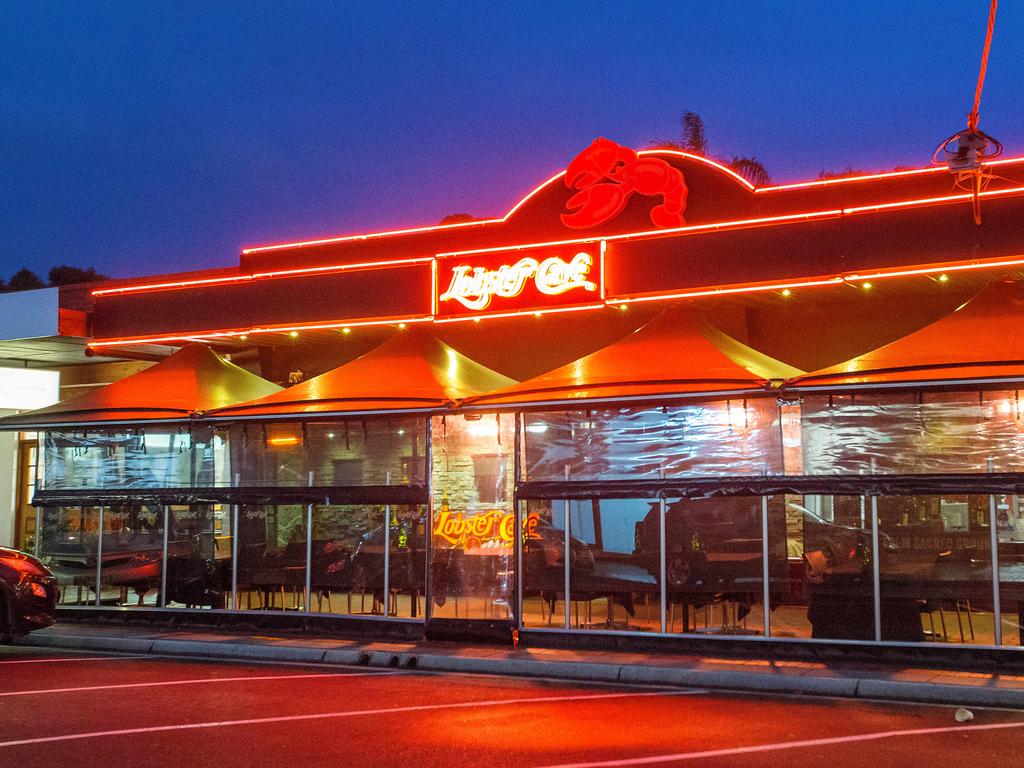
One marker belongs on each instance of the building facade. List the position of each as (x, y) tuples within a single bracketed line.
[(587, 417)]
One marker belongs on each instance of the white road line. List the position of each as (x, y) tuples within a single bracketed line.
[(333, 715), (757, 748), (82, 658), (157, 683)]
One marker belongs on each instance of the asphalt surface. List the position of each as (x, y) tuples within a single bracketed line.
[(61, 708)]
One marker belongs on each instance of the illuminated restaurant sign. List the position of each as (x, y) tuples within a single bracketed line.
[(520, 280), (485, 533)]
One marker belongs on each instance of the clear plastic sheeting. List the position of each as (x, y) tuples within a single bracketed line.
[(134, 459), (473, 524), (354, 452), (926, 433), (725, 438)]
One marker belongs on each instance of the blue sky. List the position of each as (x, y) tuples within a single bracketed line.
[(140, 138)]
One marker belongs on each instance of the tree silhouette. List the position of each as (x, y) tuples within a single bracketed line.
[(66, 275), (25, 280), (693, 139)]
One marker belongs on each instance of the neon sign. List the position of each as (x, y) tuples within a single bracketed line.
[(474, 287), (607, 175), (486, 533), (543, 279)]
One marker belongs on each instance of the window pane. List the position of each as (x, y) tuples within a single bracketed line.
[(614, 577), (271, 557), (543, 539), (368, 452), (373, 451), (199, 556), (473, 521), (722, 438), (913, 434), (133, 540), (152, 458), (820, 568), (714, 564), (408, 561), (68, 546), (935, 569)]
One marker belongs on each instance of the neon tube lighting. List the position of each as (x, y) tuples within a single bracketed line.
[(740, 223), (676, 153), (233, 334), (871, 176), (846, 278), (518, 313), (719, 291), (260, 275), (516, 207), (652, 233)]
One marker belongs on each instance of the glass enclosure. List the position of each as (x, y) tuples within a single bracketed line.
[(910, 433), (199, 556), (473, 525), (733, 437), (924, 568), (354, 452), (185, 457)]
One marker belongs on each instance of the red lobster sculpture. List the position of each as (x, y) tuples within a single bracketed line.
[(607, 174)]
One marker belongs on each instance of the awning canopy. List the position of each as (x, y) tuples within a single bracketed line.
[(979, 343), (412, 371), (675, 355), (193, 380)]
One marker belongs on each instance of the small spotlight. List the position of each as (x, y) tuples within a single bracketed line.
[(401, 431), (346, 330), (943, 278), (786, 292), (623, 307), (866, 286), (330, 435), (293, 334), (243, 337), (401, 326), (536, 314), (476, 319)]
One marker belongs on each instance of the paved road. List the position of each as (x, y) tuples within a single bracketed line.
[(79, 709)]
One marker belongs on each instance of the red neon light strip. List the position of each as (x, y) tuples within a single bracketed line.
[(234, 334), (719, 291), (516, 207), (654, 232), (733, 224), (739, 223), (518, 313), (260, 275), (981, 264), (871, 176), (677, 153), (209, 335), (649, 233)]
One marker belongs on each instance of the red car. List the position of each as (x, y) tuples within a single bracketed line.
[(28, 594)]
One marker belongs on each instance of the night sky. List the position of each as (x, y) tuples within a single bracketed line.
[(141, 138)]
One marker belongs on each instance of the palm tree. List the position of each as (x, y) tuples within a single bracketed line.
[(693, 139)]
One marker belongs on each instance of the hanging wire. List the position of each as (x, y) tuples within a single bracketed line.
[(972, 118), (965, 151)]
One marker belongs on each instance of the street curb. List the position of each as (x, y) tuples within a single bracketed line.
[(722, 680)]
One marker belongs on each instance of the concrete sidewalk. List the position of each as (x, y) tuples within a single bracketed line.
[(980, 689)]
